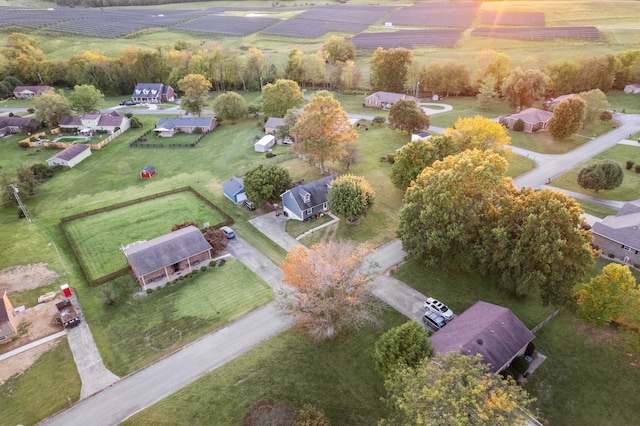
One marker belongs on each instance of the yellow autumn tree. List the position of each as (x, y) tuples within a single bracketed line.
[(322, 131), (480, 133), (329, 289)]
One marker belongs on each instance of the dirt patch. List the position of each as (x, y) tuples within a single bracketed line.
[(26, 277), (34, 324), (19, 363)]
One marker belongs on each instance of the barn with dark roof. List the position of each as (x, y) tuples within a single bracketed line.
[(168, 256), (70, 156)]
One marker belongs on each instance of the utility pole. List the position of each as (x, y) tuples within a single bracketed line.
[(22, 206)]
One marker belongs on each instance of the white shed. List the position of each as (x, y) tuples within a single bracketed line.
[(265, 143), (632, 88), (70, 156)]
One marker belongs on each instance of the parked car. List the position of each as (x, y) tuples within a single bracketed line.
[(249, 205), (228, 232), (439, 308), (433, 320), (129, 103)]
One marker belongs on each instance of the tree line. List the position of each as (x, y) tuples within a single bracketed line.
[(333, 67)]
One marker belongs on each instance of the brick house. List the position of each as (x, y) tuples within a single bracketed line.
[(168, 256), (619, 235), (385, 100), (8, 322), (153, 93)]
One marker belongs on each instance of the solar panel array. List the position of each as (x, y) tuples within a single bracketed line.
[(318, 21), (547, 33), (408, 39), (437, 14), (530, 19), (228, 25)]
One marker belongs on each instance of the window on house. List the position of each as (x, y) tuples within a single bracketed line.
[(308, 212), (631, 249), (306, 197)]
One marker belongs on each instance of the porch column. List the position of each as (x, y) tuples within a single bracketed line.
[(189, 263)]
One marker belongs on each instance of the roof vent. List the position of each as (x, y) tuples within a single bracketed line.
[(479, 341)]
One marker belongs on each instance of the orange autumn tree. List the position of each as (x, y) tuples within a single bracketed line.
[(329, 288)]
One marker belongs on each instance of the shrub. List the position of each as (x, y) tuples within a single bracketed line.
[(221, 262), (269, 154), (637, 168), (212, 263), (180, 278), (630, 164), (32, 138), (518, 126), (391, 158), (149, 290), (530, 349), (379, 120), (11, 114), (197, 130), (606, 116), (309, 415), (203, 268), (23, 144), (109, 296)]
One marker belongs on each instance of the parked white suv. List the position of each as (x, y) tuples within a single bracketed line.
[(439, 308)]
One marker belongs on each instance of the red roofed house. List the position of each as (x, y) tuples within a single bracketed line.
[(385, 100), (70, 156), (487, 329), (26, 92), (8, 322), (168, 256), (620, 234), (535, 120), (94, 121)]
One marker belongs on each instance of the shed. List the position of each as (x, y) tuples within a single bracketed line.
[(148, 172), (272, 125), (265, 143), (234, 189), (70, 156)]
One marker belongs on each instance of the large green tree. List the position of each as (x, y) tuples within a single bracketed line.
[(351, 197), (415, 156), (596, 103), (564, 77), (602, 174), (406, 115), (281, 96), (230, 106), (488, 93), (536, 243), (85, 98), (523, 87), (340, 49), (265, 184), (50, 107), (196, 90), (453, 389), (389, 69), (322, 130), (404, 346), (444, 211), (567, 117), (604, 298)]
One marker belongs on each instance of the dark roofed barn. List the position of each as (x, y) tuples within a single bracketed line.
[(487, 329), (168, 256), (70, 156)]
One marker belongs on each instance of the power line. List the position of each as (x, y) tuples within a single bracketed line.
[(22, 206)]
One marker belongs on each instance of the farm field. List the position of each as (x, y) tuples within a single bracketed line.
[(101, 236)]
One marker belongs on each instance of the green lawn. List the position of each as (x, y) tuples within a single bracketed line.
[(296, 228), (518, 165), (47, 387), (630, 188), (544, 143), (338, 377), (588, 377), (466, 106), (138, 331), (620, 101), (595, 209), (99, 237)]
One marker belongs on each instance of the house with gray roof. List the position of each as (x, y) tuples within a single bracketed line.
[(153, 93), (385, 100), (168, 127), (70, 156), (534, 119), (169, 256), (28, 92), (15, 124), (552, 103), (95, 121), (632, 88), (487, 329), (272, 124), (308, 200), (619, 235)]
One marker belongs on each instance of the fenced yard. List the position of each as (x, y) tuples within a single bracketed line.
[(99, 237)]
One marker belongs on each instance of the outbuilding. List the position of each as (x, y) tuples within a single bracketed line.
[(265, 143), (148, 172), (632, 88), (70, 156), (234, 189)]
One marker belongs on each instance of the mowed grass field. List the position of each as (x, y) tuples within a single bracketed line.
[(629, 190), (101, 236), (138, 331), (337, 376)]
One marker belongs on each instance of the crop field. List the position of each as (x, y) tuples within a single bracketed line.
[(100, 236)]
